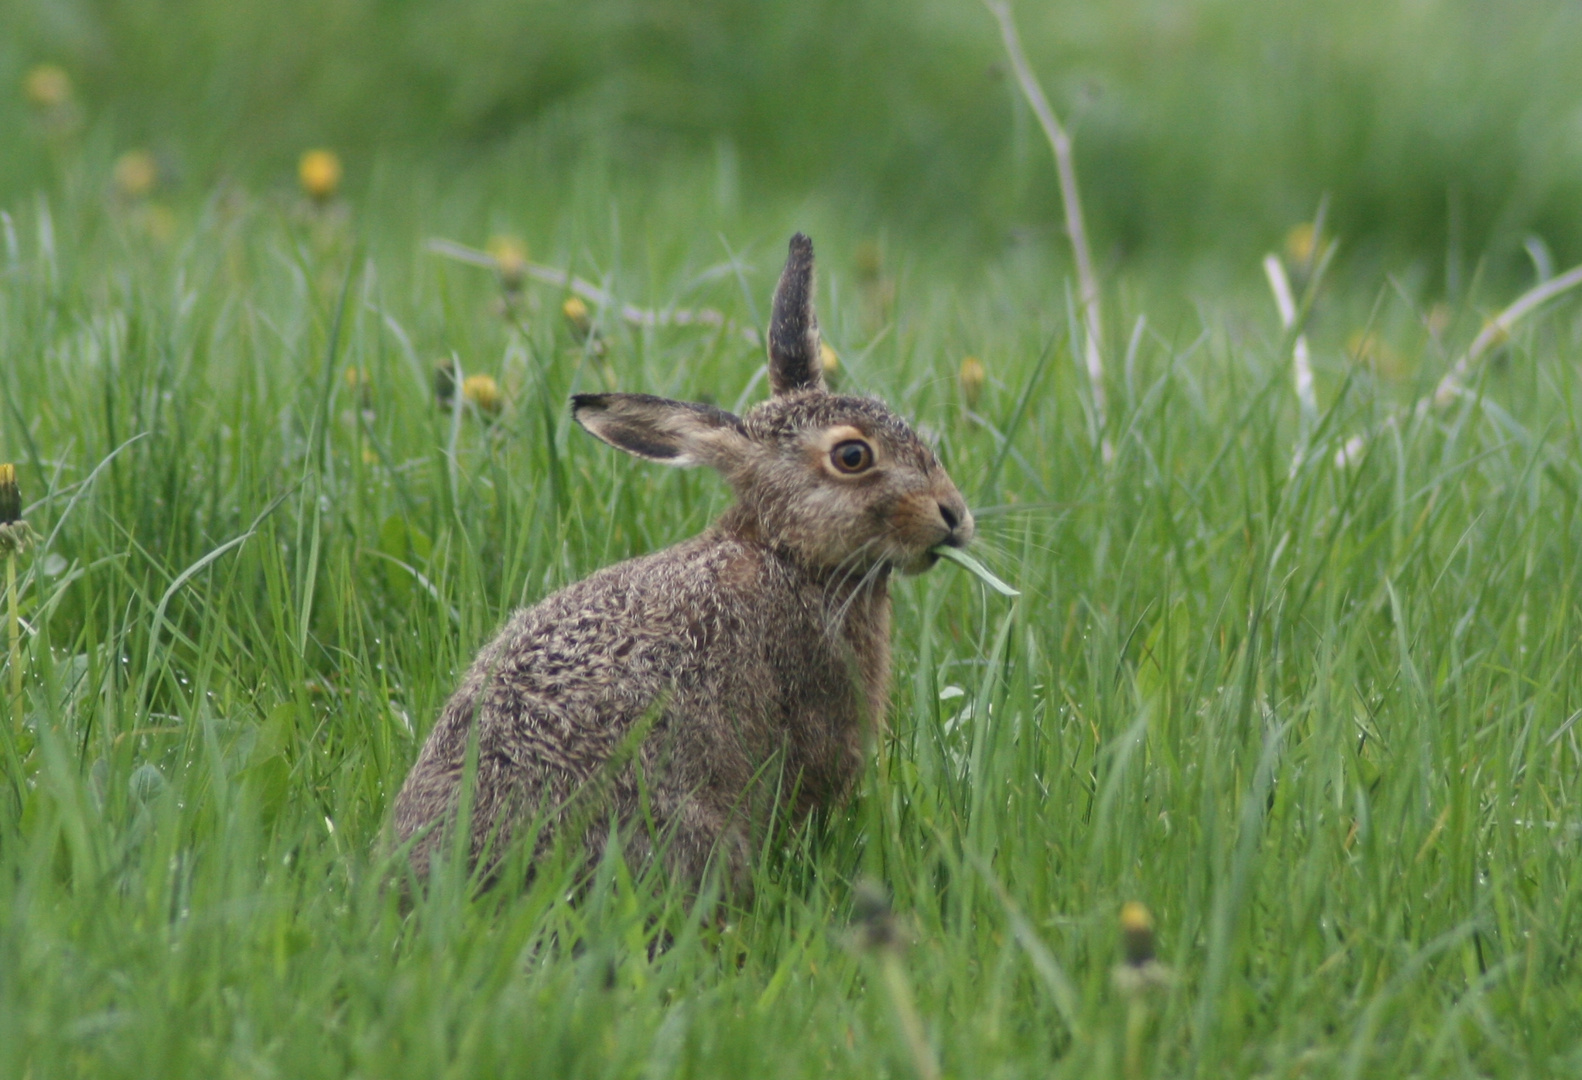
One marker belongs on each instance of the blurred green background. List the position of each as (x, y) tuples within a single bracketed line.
[(1444, 132)]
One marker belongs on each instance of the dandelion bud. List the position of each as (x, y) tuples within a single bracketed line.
[(319, 171), (136, 172), (10, 495), (828, 358), (973, 376), (360, 383), (1139, 973), (510, 260), (47, 86), (870, 261), (872, 917), (15, 535), (483, 392), (445, 382), (576, 313), (1137, 934)]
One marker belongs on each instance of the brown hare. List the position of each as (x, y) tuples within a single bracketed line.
[(682, 696)]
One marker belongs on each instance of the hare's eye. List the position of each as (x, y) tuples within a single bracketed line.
[(852, 456)]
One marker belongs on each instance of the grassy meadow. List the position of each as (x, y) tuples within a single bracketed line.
[(1306, 686)]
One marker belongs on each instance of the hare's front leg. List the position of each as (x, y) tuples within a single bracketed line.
[(695, 841)]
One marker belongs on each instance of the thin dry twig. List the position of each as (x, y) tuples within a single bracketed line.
[(637, 316), (1060, 143)]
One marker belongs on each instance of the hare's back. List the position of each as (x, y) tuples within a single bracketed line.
[(565, 678)]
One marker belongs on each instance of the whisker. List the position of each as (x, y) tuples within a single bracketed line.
[(841, 575), (867, 579), (849, 563), (1030, 509)]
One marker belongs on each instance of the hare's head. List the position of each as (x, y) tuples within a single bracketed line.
[(840, 483)]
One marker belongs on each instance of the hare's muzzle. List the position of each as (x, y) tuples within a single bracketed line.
[(957, 519), (946, 523)]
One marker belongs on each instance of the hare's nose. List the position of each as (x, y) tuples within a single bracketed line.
[(958, 520)]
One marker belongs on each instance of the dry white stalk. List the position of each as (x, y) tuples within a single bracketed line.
[(1350, 452), (551, 275), (1087, 281), (1301, 361), (1499, 329)]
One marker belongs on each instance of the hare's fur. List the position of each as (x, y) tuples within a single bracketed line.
[(684, 695)]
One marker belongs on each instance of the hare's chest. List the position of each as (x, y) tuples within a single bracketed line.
[(833, 688)]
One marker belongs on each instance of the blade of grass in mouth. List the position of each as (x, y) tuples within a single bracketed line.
[(984, 574)]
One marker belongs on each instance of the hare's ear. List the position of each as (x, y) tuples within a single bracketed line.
[(670, 432), (794, 360)]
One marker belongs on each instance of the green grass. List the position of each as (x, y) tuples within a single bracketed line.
[(1316, 719)]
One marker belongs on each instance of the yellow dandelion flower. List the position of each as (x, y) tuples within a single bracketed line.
[(828, 358), (1301, 243), (47, 86), (136, 172), (319, 172), (972, 377), (483, 392), (510, 259)]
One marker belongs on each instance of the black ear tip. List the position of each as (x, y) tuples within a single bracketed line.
[(592, 402), (796, 278), (799, 259)]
